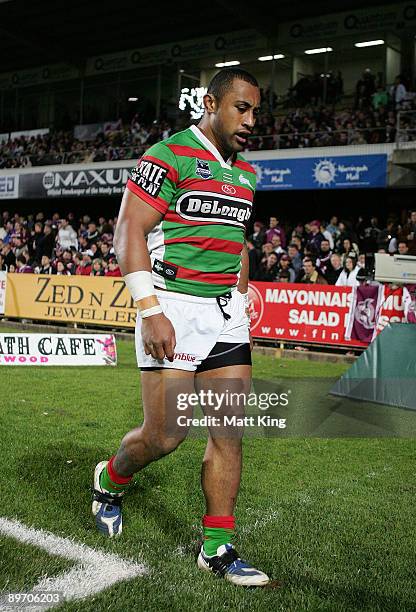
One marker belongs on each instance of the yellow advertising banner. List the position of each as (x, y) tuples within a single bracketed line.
[(70, 299)]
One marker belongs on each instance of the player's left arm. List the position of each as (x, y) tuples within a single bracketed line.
[(242, 285)]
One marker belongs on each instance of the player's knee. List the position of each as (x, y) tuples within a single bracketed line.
[(163, 445)]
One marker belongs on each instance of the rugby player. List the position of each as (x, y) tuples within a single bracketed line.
[(180, 243)]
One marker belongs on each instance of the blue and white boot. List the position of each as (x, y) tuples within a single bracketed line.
[(227, 563), (106, 506)]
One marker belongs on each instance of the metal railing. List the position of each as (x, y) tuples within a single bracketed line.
[(406, 129)]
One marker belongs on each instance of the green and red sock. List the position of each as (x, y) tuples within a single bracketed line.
[(218, 530), (111, 481)]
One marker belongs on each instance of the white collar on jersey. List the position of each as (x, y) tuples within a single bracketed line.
[(211, 148)]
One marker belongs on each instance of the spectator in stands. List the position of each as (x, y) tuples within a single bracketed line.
[(295, 257), (92, 235), (348, 276), (258, 237), (380, 98), (365, 89), (3, 265), (268, 269), (97, 268), (67, 236), (310, 274), (297, 241), (8, 255), (402, 247), (371, 232), (45, 266), (34, 242), (266, 249), (277, 245), (61, 270), (9, 231), (361, 260), (83, 243), (113, 268), (334, 269), (315, 238), (327, 235), (85, 266), (324, 256), (348, 248), (408, 233), (276, 230), (105, 251), (398, 93), (46, 243), (385, 236), (18, 246), (285, 270), (22, 266)]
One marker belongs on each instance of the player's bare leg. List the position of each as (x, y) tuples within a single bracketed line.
[(221, 474), (155, 438), (221, 468)]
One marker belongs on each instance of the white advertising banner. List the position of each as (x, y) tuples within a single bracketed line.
[(9, 186), (3, 281), (58, 349)]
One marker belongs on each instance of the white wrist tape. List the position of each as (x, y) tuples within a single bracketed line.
[(140, 284), (245, 296), (148, 312)]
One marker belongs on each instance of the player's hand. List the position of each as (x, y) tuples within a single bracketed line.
[(158, 337), (251, 341)]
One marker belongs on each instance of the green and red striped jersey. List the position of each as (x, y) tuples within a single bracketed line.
[(205, 204)]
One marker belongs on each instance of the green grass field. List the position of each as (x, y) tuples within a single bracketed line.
[(331, 519)]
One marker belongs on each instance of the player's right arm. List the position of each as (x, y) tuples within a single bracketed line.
[(136, 219)]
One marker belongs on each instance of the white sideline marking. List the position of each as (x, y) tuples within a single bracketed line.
[(96, 570)]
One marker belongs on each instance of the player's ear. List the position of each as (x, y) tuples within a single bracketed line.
[(210, 103)]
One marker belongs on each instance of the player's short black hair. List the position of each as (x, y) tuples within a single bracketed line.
[(223, 81)]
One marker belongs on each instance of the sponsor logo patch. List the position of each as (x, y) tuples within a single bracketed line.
[(202, 169), (184, 357), (215, 208), (165, 269), (228, 189), (149, 176)]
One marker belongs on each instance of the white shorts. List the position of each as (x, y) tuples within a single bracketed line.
[(199, 326)]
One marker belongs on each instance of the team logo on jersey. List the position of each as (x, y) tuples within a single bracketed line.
[(202, 169), (214, 208), (244, 181), (149, 176), (228, 189)]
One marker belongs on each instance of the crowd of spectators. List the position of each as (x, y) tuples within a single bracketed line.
[(117, 141), (371, 119), (316, 252), (320, 252), (322, 127), (62, 246)]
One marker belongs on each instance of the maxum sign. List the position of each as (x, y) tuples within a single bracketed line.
[(95, 182), (67, 183)]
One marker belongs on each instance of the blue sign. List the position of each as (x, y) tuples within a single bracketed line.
[(322, 172)]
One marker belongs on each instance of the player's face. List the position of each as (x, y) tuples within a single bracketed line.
[(236, 116)]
